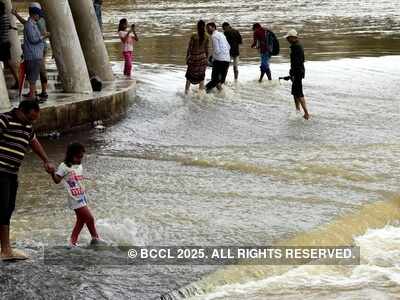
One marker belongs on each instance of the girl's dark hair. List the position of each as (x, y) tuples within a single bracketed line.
[(121, 23), (73, 150), (201, 31)]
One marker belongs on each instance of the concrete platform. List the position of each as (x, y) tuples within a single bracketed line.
[(68, 112)]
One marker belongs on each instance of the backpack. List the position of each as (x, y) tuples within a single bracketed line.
[(273, 43)]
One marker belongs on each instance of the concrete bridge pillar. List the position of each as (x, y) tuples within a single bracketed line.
[(4, 99), (16, 50), (91, 38), (66, 47)]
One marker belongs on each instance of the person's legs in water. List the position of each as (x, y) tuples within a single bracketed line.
[(236, 67), (187, 87), (297, 92), (90, 222), (201, 86), (303, 104), (8, 187), (264, 68), (297, 103), (215, 75), (77, 228)]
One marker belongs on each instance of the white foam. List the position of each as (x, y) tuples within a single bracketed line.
[(380, 266)]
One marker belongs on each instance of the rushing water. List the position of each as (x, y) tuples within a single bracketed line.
[(236, 168)]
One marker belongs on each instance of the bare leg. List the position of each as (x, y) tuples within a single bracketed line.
[(188, 86), (219, 87), (5, 240), (201, 86), (297, 103), (302, 101), (32, 90)]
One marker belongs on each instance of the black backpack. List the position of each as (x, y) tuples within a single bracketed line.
[(273, 43)]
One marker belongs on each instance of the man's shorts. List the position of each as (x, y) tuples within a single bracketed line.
[(33, 69), (235, 61), (5, 52), (297, 86), (8, 188)]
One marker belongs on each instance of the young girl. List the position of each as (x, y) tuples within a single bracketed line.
[(128, 39), (71, 172)]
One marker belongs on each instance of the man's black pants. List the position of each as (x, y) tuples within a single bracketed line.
[(8, 194), (218, 75)]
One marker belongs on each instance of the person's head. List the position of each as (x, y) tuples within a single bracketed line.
[(211, 27), (292, 36), (74, 155), (256, 26), (35, 13), (123, 24), (30, 111), (2, 8), (37, 5), (226, 26), (133, 27), (201, 30)]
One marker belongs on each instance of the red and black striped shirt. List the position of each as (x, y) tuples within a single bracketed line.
[(15, 138)]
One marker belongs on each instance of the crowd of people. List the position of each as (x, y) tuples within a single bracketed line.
[(226, 50)]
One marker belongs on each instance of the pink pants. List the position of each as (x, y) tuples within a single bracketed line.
[(83, 216), (128, 57)]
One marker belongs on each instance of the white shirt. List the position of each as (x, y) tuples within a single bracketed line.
[(129, 43), (220, 46), (73, 177)]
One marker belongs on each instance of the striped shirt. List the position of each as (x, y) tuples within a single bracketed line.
[(33, 42), (15, 138), (5, 27)]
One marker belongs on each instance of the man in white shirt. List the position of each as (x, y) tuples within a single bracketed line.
[(221, 57)]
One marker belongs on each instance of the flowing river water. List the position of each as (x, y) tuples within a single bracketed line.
[(236, 168)]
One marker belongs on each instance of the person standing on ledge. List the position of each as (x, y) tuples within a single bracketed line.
[(297, 71), (261, 43), (16, 135), (234, 39), (41, 24), (5, 45), (33, 49), (221, 57), (97, 8)]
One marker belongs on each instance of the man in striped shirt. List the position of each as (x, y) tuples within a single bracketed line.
[(16, 135)]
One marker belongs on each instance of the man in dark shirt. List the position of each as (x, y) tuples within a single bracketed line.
[(16, 135), (234, 39), (260, 43), (297, 71)]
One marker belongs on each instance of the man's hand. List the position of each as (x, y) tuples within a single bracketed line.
[(49, 167)]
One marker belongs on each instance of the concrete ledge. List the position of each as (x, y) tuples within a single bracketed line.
[(68, 112)]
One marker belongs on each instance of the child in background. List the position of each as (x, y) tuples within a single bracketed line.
[(128, 39), (71, 172)]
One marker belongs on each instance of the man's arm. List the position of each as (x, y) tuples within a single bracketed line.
[(38, 149), (18, 16)]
